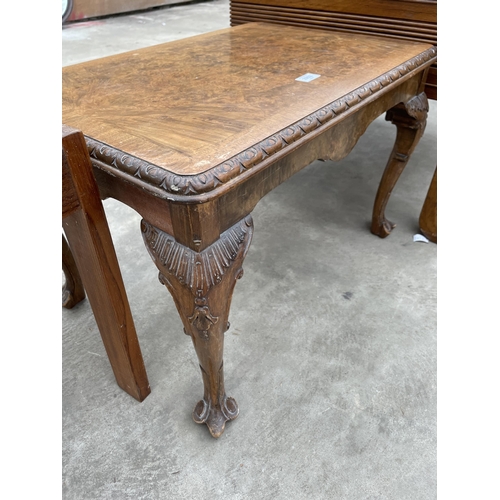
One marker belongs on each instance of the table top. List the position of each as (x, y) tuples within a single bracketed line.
[(184, 114)]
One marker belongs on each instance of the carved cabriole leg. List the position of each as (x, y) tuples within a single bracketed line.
[(202, 284), (410, 119)]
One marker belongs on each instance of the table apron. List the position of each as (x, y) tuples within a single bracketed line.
[(335, 143)]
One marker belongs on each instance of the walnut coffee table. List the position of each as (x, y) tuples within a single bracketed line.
[(193, 133)]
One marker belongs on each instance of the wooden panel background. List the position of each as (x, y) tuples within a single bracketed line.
[(85, 9)]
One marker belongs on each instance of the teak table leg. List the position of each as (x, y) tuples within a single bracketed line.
[(428, 215), (202, 284), (410, 119), (88, 236)]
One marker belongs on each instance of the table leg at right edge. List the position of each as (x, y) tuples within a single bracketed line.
[(428, 215)]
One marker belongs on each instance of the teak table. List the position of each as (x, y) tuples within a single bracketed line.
[(193, 133)]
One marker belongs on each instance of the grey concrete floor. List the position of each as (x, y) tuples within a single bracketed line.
[(331, 353)]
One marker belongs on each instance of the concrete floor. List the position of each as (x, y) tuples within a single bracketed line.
[(331, 353)]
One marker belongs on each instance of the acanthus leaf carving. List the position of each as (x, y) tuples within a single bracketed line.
[(197, 272), (412, 114)]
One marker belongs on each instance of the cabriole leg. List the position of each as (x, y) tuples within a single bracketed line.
[(202, 284), (410, 119)]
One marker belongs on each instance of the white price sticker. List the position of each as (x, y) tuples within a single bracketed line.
[(308, 77)]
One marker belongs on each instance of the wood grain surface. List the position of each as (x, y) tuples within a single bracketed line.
[(189, 105), (401, 19)]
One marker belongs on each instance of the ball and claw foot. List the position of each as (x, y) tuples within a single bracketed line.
[(216, 416), (382, 228)]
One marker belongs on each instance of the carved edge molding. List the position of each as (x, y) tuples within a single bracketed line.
[(190, 185)]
